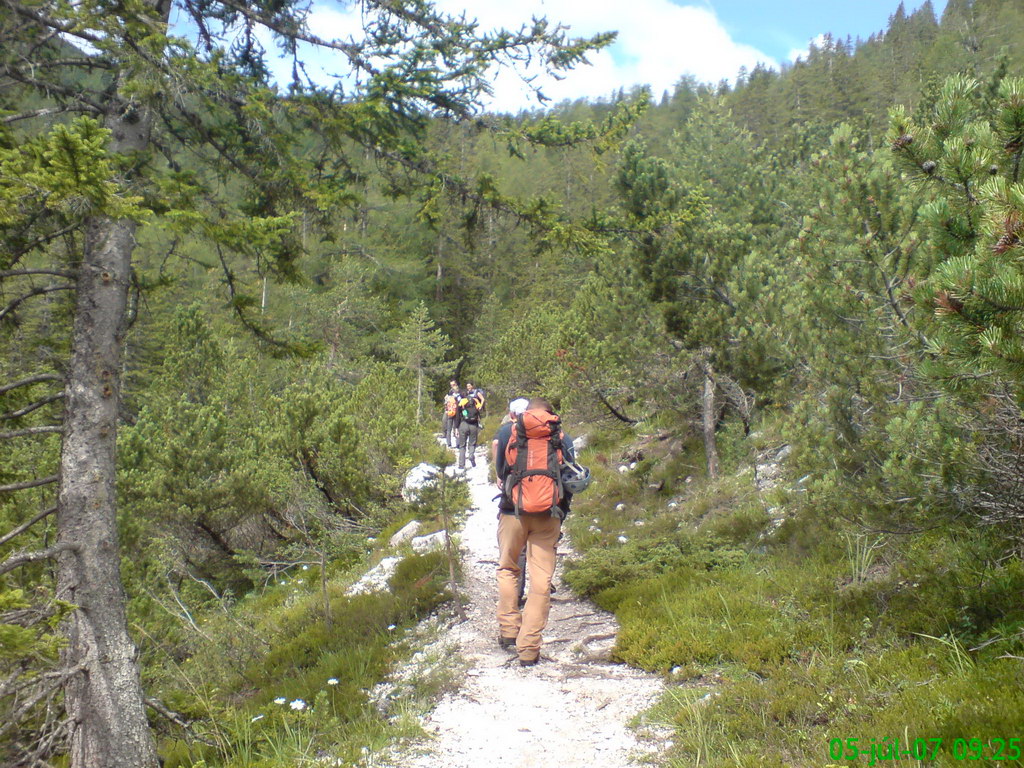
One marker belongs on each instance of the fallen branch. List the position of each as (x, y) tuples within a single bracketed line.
[(161, 709), (596, 638)]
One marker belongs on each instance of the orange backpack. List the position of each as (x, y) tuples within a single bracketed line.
[(534, 458), (451, 405)]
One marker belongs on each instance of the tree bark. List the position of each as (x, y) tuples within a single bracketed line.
[(104, 701)]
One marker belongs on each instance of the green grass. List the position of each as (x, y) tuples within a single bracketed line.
[(773, 646), (244, 681)]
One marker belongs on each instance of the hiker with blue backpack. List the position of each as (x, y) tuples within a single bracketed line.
[(536, 472)]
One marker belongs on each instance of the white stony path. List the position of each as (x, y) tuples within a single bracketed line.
[(569, 711)]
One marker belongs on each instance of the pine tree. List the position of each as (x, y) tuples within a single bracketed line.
[(972, 161), (421, 349), (264, 155)]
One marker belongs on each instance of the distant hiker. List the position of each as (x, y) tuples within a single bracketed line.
[(531, 511), (468, 422), (451, 409), (481, 396)]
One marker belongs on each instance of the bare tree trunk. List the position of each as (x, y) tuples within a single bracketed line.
[(104, 700), (328, 619), (419, 395), (439, 278), (449, 548), (710, 421)]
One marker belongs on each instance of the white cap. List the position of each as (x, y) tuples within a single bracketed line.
[(518, 405)]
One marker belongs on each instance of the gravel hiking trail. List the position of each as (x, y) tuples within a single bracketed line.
[(570, 711)]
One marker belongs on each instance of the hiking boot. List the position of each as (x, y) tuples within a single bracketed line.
[(529, 662), (506, 642)]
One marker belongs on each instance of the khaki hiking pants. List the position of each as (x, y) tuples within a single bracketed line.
[(540, 535)]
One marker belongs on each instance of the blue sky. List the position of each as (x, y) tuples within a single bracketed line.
[(659, 42), (778, 27)]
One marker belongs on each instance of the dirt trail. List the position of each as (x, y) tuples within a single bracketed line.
[(568, 711)]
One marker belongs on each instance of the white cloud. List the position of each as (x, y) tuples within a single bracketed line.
[(803, 53), (659, 41)]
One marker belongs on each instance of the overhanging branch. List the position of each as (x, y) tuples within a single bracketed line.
[(26, 525), (24, 558), (29, 408), (30, 380), (34, 292), (20, 272), (49, 429), (29, 484)]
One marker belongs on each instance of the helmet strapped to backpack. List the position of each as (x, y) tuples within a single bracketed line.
[(575, 477), (534, 458)]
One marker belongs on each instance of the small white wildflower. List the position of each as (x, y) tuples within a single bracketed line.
[(298, 705), (639, 522), (623, 468), (620, 506), (391, 628), (281, 582), (280, 700), (371, 539), (632, 465), (258, 717), (673, 504), (298, 581), (623, 539), (332, 681), (305, 567)]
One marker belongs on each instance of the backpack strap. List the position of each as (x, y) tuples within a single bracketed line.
[(518, 470), (555, 463)]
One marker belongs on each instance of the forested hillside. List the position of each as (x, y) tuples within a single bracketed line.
[(786, 312)]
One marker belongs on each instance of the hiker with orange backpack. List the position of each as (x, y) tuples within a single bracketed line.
[(531, 511), (505, 505), (451, 408)]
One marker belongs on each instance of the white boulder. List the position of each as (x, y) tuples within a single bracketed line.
[(419, 477), (407, 532), (428, 543), (377, 578)]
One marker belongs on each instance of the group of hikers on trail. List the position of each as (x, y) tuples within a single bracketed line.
[(537, 475), (463, 412)]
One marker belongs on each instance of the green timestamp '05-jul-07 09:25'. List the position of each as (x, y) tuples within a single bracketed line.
[(891, 749)]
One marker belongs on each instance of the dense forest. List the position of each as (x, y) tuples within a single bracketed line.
[(786, 312)]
